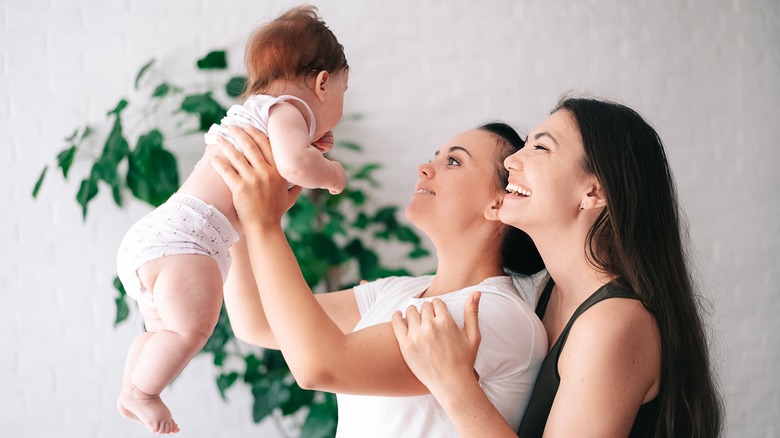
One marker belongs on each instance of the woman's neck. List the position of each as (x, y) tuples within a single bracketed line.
[(463, 267), (564, 258)]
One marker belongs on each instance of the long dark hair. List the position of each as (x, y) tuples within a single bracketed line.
[(638, 237), (518, 251)]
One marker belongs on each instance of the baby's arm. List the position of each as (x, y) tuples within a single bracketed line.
[(297, 160)]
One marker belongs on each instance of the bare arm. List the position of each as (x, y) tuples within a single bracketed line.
[(442, 356), (297, 160), (609, 366), (245, 308), (320, 355)]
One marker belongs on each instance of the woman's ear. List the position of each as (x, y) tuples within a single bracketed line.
[(321, 85), (491, 211), (595, 197)]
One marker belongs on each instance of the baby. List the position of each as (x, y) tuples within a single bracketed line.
[(174, 260)]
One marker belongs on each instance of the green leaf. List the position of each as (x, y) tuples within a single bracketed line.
[(301, 216), (152, 173), (366, 173), (65, 159), (119, 107), (225, 381), (386, 216), (418, 253), (122, 309), (114, 151), (142, 71), (161, 90), (361, 221), (273, 360), (358, 197), (322, 419), (298, 399), (87, 191), (253, 372), (325, 249), (119, 287), (269, 394), (208, 109), (213, 60), (86, 133), (406, 234), (39, 182), (116, 147), (72, 136), (349, 145), (236, 86)]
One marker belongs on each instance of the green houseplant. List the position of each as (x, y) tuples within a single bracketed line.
[(331, 236)]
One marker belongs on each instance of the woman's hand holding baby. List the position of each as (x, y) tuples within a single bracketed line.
[(260, 194)]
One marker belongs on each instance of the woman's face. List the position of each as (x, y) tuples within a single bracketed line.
[(546, 179), (457, 186)]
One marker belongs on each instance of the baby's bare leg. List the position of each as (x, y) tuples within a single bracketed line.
[(132, 356), (187, 291)]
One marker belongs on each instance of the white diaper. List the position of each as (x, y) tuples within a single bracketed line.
[(182, 225)]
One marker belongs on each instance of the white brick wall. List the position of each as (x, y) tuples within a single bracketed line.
[(705, 72)]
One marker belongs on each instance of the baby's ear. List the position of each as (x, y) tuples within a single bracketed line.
[(321, 85)]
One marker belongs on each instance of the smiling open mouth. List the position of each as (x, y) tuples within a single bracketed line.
[(427, 192), (517, 191)]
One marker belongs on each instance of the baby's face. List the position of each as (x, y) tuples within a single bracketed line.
[(333, 107)]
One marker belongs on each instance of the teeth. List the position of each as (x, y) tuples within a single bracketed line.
[(517, 190), (425, 191)]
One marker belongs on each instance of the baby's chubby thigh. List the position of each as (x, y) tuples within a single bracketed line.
[(187, 293)]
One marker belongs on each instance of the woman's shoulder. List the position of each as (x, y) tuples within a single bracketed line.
[(613, 331), (618, 315), (398, 284)]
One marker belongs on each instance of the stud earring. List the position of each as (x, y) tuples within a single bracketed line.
[(583, 204)]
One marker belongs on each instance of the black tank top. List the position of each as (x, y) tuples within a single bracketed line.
[(548, 380)]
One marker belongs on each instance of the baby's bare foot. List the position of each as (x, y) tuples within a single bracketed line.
[(148, 410)]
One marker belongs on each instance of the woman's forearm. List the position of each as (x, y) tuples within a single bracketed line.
[(471, 411), (302, 329), (243, 303)]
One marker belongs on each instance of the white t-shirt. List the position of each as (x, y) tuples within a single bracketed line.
[(513, 346)]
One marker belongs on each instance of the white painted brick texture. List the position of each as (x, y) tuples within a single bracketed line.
[(704, 72)]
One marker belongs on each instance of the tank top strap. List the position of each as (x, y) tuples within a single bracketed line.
[(609, 290), (544, 298)]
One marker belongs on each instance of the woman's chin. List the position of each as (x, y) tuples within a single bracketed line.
[(510, 216)]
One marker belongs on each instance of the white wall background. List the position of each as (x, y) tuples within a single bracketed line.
[(705, 72)]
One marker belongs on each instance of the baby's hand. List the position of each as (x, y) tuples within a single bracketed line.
[(341, 179), (325, 143)]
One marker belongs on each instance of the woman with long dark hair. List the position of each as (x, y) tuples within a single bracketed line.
[(627, 352)]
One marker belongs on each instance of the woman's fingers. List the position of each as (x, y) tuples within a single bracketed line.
[(262, 142), (226, 171), (471, 318), (439, 308), (255, 145), (233, 156), (398, 323), (426, 311), (231, 165), (412, 317)]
